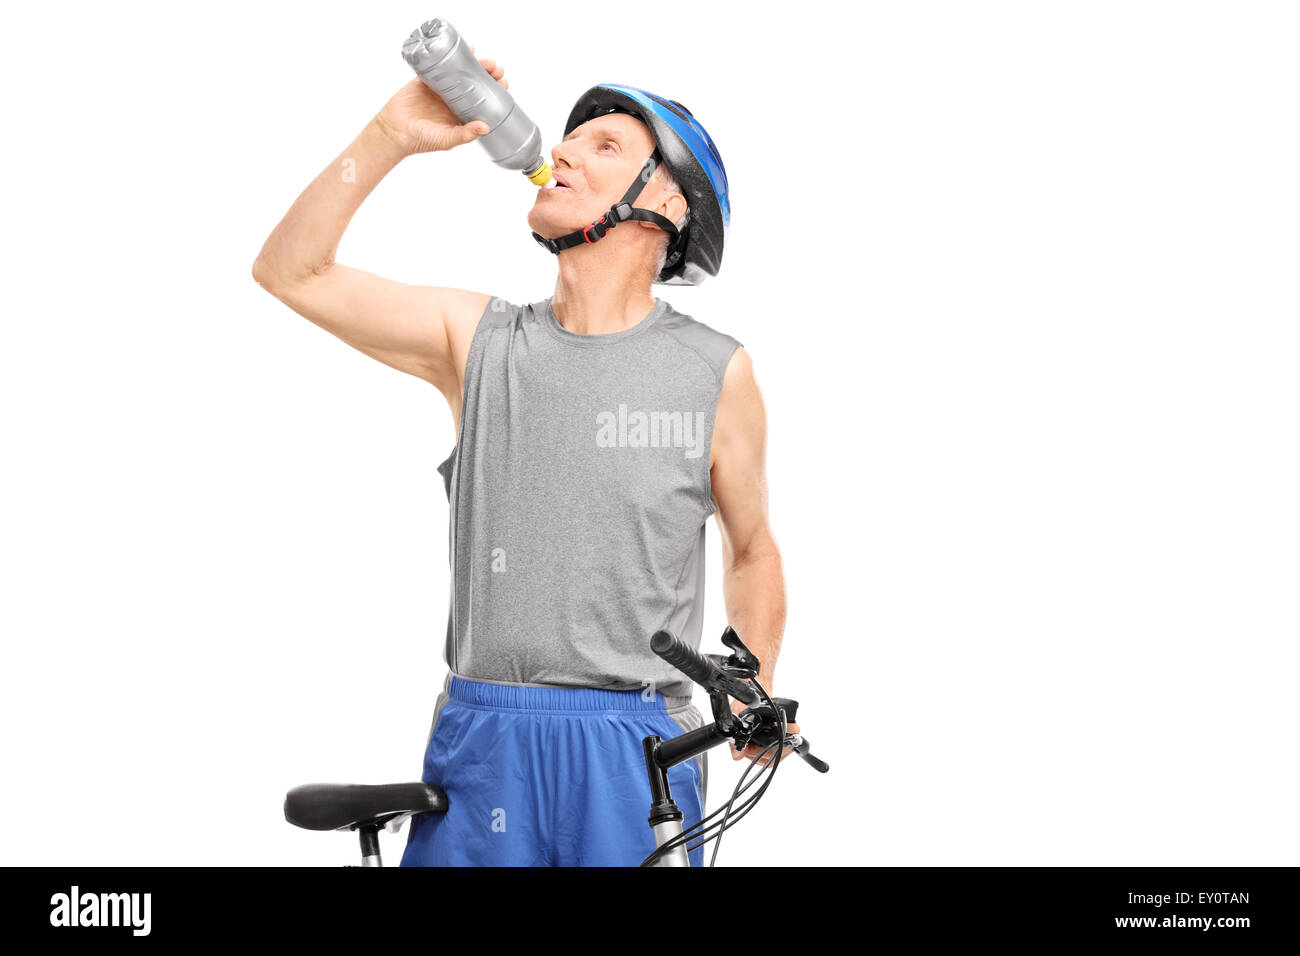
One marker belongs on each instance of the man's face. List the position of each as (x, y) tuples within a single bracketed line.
[(593, 167)]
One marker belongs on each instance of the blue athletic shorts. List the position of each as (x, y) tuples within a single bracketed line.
[(547, 776)]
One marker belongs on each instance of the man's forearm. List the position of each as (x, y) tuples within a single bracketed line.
[(306, 239), (754, 593)]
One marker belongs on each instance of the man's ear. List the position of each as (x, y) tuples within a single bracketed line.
[(674, 206), (670, 205)]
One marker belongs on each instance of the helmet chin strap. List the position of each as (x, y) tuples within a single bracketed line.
[(621, 211)]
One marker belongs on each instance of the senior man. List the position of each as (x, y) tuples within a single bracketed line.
[(597, 431)]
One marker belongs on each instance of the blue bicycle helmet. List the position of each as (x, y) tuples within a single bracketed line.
[(685, 147)]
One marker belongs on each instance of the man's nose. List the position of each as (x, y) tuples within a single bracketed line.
[(560, 152)]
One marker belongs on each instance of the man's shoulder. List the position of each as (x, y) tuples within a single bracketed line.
[(502, 311), (712, 345), (498, 312)]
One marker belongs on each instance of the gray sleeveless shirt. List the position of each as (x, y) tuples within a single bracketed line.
[(579, 490)]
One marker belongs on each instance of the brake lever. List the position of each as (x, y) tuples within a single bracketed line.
[(741, 656), (799, 744)]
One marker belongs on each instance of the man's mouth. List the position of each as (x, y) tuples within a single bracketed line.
[(560, 183)]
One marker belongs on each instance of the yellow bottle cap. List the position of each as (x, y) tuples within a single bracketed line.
[(541, 175)]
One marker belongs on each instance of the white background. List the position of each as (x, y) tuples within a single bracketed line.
[(1019, 283)]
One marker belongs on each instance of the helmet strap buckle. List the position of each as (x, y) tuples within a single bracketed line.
[(621, 212)]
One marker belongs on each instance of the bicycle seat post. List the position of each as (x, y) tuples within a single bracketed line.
[(370, 845)]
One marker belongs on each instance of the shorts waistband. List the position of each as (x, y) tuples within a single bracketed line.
[(559, 697)]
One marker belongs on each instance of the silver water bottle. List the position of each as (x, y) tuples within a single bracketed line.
[(447, 66)]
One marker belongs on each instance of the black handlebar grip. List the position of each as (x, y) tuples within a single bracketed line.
[(686, 659)]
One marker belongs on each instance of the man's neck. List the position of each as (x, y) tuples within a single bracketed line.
[(588, 302)]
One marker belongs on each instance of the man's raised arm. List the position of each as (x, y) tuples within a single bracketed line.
[(422, 330)]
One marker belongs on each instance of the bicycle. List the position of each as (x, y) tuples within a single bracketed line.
[(368, 808)]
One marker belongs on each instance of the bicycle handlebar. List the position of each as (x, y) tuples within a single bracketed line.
[(704, 671), (699, 668), (684, 657)]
